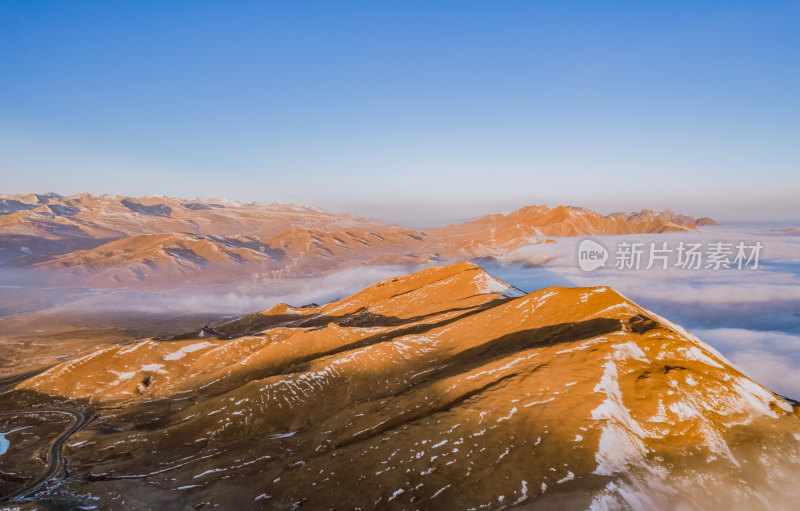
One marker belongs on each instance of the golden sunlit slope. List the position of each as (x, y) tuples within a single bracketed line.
[(442, 389), (532, 224), (170, 259)]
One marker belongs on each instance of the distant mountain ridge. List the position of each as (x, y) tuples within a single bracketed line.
[(647, 215), (111, 240)]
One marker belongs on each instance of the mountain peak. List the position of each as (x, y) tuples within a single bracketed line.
[(433, 381), (427, 291)]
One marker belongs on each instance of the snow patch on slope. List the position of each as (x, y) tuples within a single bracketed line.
[(490, 285), (621, 437), (179, 354)]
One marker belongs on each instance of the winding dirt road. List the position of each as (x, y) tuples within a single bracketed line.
[(55, 460)]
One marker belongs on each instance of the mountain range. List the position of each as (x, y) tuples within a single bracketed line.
[(152, 241)]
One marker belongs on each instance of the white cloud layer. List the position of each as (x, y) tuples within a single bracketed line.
[(770, 358)]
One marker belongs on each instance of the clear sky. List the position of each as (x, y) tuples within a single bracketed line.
[(409, 111)]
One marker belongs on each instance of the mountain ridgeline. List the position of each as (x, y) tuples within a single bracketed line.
[(444, 389)]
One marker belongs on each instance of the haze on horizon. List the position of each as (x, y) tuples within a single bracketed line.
[(408, 112)]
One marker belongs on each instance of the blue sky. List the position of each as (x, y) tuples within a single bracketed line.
[(410, 111)]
